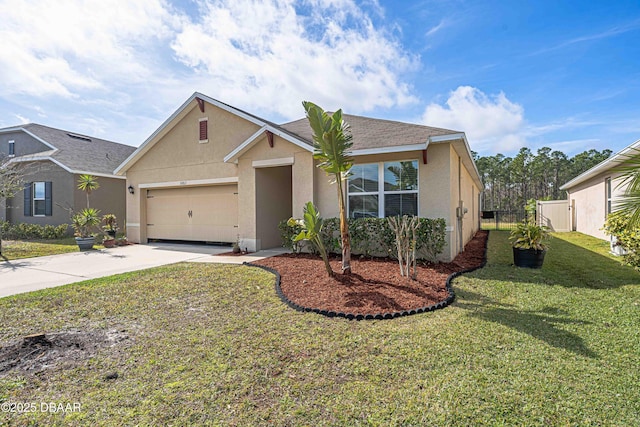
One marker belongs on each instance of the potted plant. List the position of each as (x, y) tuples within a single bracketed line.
[(83, 222), (110, 225), (109, 242), (528, 242)]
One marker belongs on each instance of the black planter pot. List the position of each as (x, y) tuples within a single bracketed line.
[(111, 233), (529, 258)]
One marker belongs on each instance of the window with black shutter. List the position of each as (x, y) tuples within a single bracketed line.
[(38, 199), (27, 199)]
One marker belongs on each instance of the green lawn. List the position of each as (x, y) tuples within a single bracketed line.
[(213, 345), (15, 249)]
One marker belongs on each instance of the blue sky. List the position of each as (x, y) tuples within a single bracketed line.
[(563, 74)]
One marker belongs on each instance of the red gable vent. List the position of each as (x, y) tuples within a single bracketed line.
[(204, 130)]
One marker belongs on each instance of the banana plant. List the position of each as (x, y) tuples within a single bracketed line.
[(311, 225), (331, 145)]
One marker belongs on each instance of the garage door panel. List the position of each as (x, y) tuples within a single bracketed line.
[(213, 213)]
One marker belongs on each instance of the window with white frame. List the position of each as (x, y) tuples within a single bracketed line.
[(607, 184), (12, 148), (378, 190), (39, 200)]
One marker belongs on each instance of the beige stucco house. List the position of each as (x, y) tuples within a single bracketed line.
[(592, 195), (214, 173)]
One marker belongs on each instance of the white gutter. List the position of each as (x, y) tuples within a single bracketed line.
[(604, 166)]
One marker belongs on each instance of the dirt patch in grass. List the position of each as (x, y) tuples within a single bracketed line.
[(40, 352), (375, 285)]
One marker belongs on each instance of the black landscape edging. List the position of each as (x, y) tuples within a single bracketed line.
[(379, 316)]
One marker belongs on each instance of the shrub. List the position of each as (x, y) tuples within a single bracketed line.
[(25, 231), (287, 233), (372, 237), (617, 225)]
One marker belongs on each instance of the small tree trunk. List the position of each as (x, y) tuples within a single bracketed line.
[(414, 228), (324, 255), (344, 229), (396, 226)]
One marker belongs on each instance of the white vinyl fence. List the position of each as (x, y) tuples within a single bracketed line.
[(554, 214)]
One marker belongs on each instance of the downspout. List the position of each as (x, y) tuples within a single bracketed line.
[(459, 210)]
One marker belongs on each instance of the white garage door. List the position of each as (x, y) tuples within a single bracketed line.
[(207, 214)]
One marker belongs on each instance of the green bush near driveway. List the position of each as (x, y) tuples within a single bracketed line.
[(24, 231), (213, 345)]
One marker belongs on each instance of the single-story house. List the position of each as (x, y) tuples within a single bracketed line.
[(592, 195), (212, 172), (52, 160)]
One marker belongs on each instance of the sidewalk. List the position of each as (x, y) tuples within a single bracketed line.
[(30, 274)]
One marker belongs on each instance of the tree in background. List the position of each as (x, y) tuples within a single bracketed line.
[(331, 144), (10, 183), (510, 182)]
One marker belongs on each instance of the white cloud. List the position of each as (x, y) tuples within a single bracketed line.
[(63, 47), (433, 30), (23, 120), (491, 122), (269, 55), (124, 65)]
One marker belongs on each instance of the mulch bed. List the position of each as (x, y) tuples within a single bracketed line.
[(375, 286)]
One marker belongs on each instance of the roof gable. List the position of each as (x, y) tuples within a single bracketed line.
[(74, 152), (175, 118)]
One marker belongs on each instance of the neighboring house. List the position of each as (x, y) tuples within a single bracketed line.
[(214, 173), (52, 160), (592, 195)]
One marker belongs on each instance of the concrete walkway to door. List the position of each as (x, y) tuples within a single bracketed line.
[(31, 274)]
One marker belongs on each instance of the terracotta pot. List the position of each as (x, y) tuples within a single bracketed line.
[(109, 243)]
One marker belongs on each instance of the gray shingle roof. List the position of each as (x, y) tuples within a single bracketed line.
[(374, 133), (79, 152)]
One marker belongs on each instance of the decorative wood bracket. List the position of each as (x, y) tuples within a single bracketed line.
[(424, 157), (200, 104), (269, 138)]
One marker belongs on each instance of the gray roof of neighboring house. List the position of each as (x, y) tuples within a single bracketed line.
[(374, 133), (613, 161), (77, 152)]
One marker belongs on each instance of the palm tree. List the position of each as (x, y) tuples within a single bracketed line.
[(88, 183), (331, 143), (629, 204)]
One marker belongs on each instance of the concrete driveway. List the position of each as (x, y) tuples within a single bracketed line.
[(30, 274)]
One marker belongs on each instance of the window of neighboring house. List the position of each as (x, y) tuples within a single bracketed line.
[(383, 189), (204, 130), (37, 199), (607, 184), (12, 148)]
